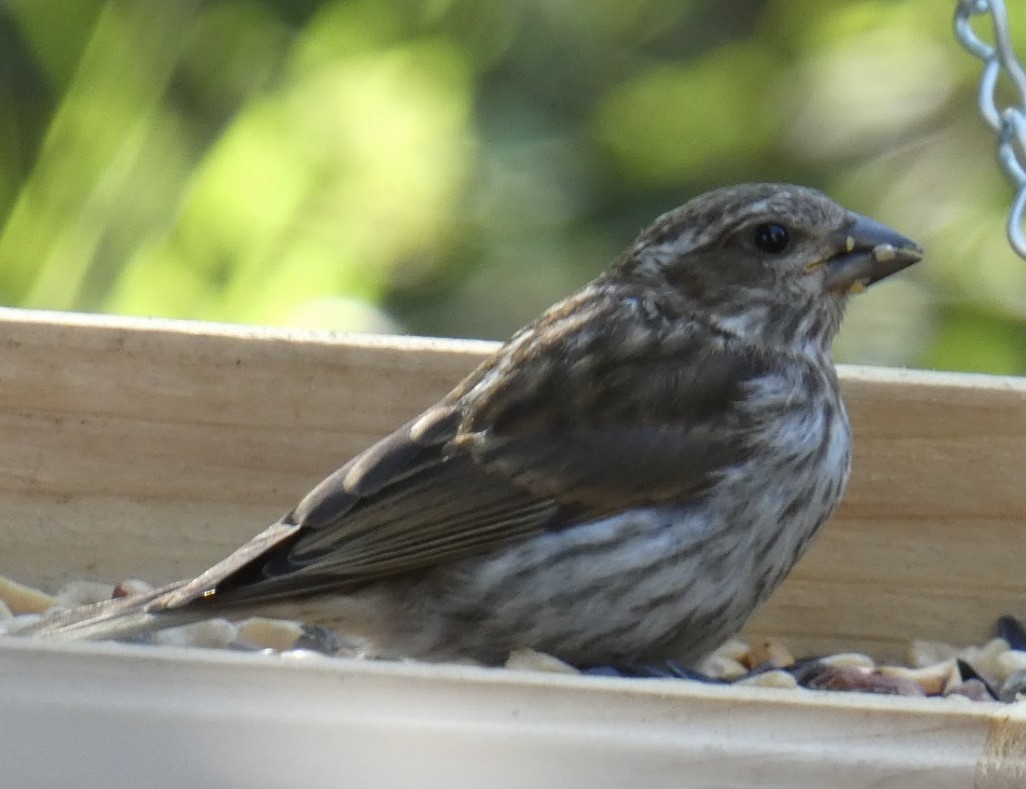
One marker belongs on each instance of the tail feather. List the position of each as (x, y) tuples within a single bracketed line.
[(119, 619)]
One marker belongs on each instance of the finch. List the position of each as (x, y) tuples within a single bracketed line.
[(626, 479)]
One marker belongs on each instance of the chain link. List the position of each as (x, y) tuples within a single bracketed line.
[(1009, 122)]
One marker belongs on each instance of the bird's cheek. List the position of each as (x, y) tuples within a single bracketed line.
[(817, 280), (811, 279)]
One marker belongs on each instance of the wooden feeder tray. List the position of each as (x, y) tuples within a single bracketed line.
[(137, 448)]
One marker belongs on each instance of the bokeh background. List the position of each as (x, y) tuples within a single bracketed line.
[(451, 167)]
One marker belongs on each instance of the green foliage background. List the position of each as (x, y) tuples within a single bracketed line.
[(453, 166)]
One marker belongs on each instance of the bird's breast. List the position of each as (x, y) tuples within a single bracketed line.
[(795, 472)]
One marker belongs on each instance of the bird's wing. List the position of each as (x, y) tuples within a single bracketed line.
[(406, 502), (524, 445)]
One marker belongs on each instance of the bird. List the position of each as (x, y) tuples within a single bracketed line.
[(628, 478)]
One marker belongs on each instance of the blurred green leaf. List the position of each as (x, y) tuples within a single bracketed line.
[(453, 166), (978, 341), (690, 120)]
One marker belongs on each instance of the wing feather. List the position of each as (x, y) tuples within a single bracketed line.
[(538, 438)]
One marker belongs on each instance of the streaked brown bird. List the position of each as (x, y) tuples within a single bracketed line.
[(627, 478)]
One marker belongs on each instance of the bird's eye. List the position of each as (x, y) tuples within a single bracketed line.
[(770, 237)]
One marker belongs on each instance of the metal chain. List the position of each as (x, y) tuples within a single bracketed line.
[(1009, 122)]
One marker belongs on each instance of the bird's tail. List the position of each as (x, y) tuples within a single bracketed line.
[(119, 619)]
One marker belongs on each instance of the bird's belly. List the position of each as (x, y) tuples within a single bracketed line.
[(667, 581), (653, 582)]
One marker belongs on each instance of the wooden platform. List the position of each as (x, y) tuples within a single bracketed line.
[(151, 448)]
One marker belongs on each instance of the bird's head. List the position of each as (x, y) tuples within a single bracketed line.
[(771, 262)]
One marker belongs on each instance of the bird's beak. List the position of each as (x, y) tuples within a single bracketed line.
[(872, 251)]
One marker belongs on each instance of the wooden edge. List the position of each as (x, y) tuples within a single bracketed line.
[(117, 710), (930, 379), (244, 333)]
